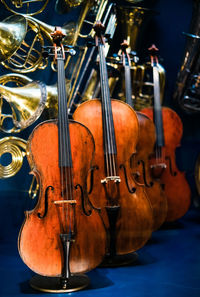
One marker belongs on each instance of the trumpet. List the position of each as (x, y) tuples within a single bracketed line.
[(25, 6)]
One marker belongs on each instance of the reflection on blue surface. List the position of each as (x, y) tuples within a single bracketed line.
[(169, 265)]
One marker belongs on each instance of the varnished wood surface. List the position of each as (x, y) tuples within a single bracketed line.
[(135, 221), (39, 239), (176, 187), (154, 192)]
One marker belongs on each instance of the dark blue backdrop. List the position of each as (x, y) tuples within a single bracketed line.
[(165, 30)]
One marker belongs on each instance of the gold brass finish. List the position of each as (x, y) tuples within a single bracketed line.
[(34, 188), (69, 29), (142, 87), (131, 19), (27, 57), (12, 32), (16, 147), (27, 102), (25, 6)]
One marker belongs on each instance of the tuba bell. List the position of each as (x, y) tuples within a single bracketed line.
[(187, 91)]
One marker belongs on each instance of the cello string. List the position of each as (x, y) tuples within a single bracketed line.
[(106, 139), (109, 117), (106, 99), (60, 141), (67, 150)]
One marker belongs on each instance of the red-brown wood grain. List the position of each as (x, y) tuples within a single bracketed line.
[(39, 239), (176, 187), (134, 224), (145, 147)]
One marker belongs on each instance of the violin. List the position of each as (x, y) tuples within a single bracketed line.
[(125, 209), (63, 234), (162, 162), (145, 145)]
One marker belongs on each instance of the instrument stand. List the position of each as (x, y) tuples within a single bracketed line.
[(112, 259), (67, 282)]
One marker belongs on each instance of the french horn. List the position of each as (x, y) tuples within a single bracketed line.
[(16, 148), (27, 101), (30, 7), (22, 38)]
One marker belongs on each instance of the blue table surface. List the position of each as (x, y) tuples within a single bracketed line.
[(168, 265)]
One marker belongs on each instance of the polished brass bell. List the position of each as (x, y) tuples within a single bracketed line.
[(27, 102), (12, 33)]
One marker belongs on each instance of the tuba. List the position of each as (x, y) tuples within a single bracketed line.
[(187, 91), (25, 6)]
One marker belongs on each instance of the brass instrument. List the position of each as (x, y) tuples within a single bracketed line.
[(187, 92), (30, 7), (22, 39), (27, 101), (104, 12), (142, 85), (130, 21), (16, 147), (12, 32), (63, 6)]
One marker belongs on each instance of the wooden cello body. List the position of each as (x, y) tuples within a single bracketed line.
[(162, 162), (143, 175), (174, 183), (134, 216), (63, 233), (145, 145), (125, 209)]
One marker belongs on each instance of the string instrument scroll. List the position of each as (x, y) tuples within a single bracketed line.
[(63, 234)]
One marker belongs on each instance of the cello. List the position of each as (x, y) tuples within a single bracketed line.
[(125, 209), (162, 162), (145, 146), (63, 234)]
